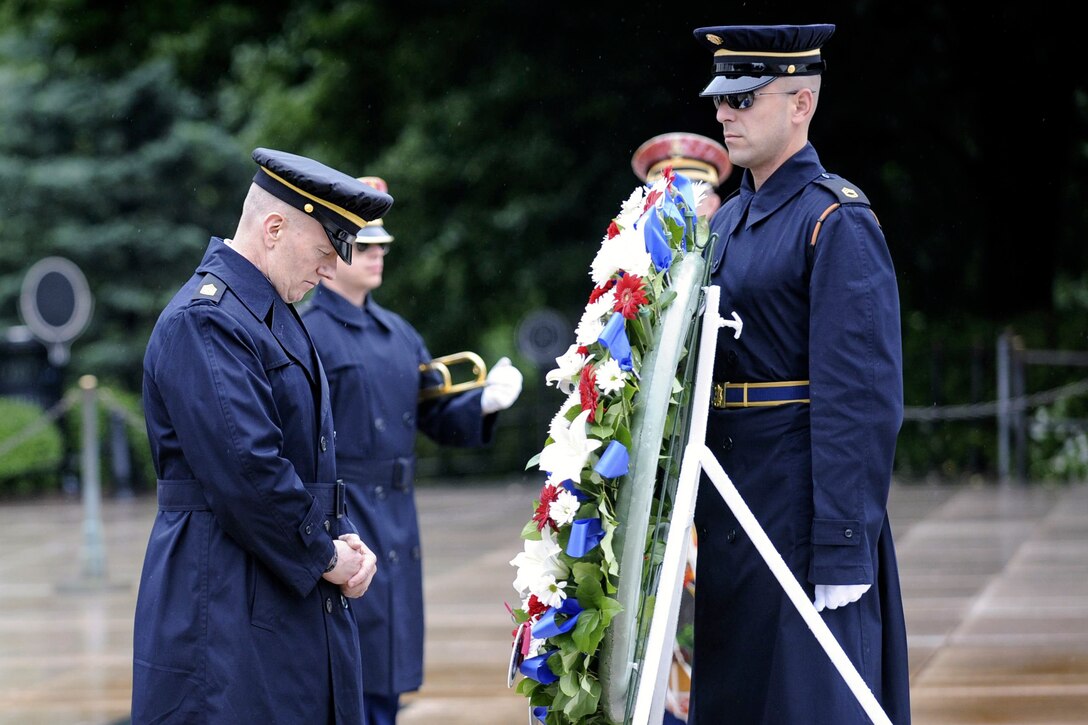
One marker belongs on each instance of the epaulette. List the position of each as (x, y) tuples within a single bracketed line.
[(211, 288), (846, 194), (842, 189)]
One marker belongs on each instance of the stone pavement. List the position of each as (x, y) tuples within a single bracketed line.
[(995, 579)]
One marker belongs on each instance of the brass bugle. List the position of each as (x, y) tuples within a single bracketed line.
[(442, 366)]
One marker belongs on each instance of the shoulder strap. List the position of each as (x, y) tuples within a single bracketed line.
[(211, 288), (846, 194)]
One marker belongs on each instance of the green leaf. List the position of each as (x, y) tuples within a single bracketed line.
[(623, 435), (570, 685), (600, 430), (529, 532), (588, 631), (588, 510), (589, 591), (609, 608), (527, 687), (568, 658), (585, 703)]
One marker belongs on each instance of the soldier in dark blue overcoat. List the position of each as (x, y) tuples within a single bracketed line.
[(243, 612), (373, 357), (807, 407)]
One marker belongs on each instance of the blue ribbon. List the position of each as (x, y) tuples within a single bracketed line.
[(537, 668), (613, 461), (540, 713), (686, 189), (670, 209), (569, 485), (614, 338), (657, 243), (584, 535), (546, 627)]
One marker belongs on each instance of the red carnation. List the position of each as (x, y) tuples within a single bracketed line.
[(587, 388), (583, 350), (542, 517), (613, 229), (599, 291), (535, 607), (630, 295), (668, 175)]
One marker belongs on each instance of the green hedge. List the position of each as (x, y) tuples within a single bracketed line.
[(34, 464)]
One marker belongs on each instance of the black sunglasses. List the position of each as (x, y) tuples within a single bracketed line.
[(741, 101), (361, 247)]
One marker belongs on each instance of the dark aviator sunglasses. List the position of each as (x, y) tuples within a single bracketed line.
[(741, 101)]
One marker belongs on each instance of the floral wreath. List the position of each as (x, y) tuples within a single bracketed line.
[(568, 573)]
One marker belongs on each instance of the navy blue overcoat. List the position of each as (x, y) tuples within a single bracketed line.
[(372, 357), (234, 622), (816, 476)]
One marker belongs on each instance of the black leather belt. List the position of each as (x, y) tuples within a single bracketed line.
[(757, 395), (188, 495)]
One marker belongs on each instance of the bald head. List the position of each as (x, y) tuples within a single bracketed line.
[(256, 208)]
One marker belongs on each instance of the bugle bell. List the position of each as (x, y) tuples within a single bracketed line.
[(442, 366)]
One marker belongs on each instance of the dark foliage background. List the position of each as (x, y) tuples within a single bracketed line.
[(505, 132)]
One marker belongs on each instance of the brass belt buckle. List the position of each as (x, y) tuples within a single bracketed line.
[(718, 399)]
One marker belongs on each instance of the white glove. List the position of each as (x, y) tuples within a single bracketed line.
[(502, 388), (833, 596)]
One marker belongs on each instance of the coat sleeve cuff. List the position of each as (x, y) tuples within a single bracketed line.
[(840, 553), (317, 541)]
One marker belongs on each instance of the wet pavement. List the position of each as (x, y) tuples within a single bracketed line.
[(995, 579)]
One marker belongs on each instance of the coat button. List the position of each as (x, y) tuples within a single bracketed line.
[(379, 424), (849, 533), (309, 529), (392, 555), (731, 358), (328, 526), (409, 420), (379, 491), (728, 444), (415, 553), (328, 605), (731, 536), (343, 601), (324, 444)]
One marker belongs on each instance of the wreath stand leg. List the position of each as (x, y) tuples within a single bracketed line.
[(652, 683)]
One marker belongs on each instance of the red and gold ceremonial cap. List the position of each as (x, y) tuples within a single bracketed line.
[(374, 232), (697, 157)]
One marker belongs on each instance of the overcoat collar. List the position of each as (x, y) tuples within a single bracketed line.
[(791, 177), (346, 313), (258, 296)]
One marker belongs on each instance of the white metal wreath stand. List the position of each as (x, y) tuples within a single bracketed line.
[(653, 678)]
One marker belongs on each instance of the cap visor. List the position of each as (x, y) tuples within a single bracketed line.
[(720, 85), (373, 235)]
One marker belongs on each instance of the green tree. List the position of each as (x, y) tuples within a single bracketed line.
[(124, 176)]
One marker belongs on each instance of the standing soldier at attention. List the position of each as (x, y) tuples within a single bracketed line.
[(243, 613), (380, 382), (807, 405)]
